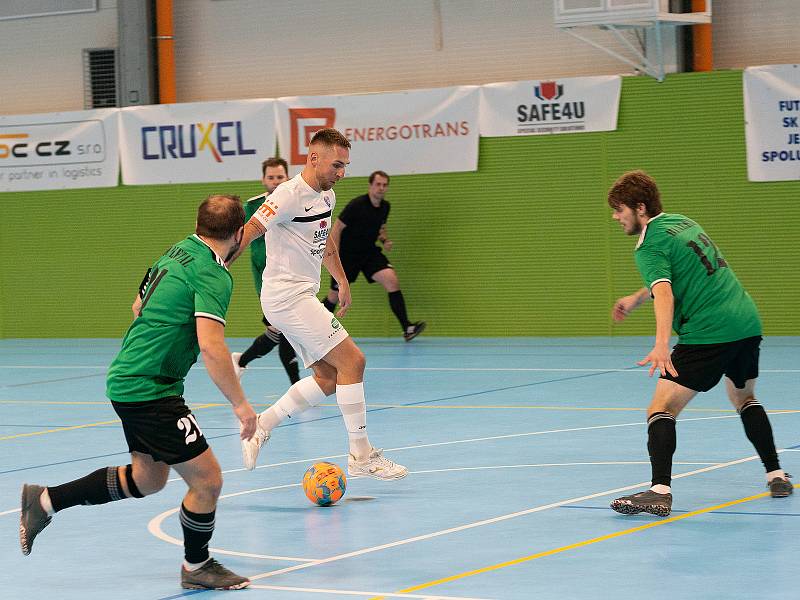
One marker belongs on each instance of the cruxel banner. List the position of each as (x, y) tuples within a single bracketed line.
[(196, 142), (566, 105), (59, 150), (772, 122), (419, 131)]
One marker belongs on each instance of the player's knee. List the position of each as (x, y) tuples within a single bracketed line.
[(144, 483), (210, 486), (358, 361)]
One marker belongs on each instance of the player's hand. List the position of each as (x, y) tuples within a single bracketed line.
[(387, 245), (623, 307), (659, 358), (248, 420), (345, 300)]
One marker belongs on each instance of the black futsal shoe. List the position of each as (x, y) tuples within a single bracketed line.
[(649, 502), (780, 487), (414, 330), (32, 517)]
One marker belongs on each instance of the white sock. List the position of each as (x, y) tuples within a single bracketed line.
[(301, 396), (194, 566), (660, 488), (773, 474), (47, 505), (350, 399)]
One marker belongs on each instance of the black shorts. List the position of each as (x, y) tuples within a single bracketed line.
[(701, 366), (165, 429), (369, 263)]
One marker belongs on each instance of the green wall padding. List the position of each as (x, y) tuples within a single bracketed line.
[(524, 246)]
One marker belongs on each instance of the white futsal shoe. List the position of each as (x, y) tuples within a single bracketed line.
[(251, 447), (235, 356), (375, 465)]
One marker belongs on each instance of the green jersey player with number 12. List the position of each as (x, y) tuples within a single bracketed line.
[(696, 293)]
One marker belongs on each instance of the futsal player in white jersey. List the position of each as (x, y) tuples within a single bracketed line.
[(295, 220)]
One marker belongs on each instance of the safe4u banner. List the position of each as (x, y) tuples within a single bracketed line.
[(564, 105)]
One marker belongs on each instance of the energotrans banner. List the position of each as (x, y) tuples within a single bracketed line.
[(196, 142), (568, 105), (59, 150), (772, 122), (420, 131)]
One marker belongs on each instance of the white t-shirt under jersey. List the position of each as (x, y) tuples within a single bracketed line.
[(297, 219)]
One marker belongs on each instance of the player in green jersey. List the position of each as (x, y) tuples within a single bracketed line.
[(696, 293), (274, 171), (181, 313)]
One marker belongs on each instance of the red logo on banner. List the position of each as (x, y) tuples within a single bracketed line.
[(303, 124)]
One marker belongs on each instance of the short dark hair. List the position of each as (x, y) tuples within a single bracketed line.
[(330, 137), (381, 173), (274, 161), (633, 188), (220, 216)]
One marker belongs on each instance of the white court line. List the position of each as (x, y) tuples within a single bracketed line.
[(469, 441), (458, 369), (154, 527), (8, 512), (489, 521), (572, 464), (472, 440), (284, 588)]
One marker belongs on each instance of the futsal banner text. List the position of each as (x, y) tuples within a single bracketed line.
[(56, 151), (196, 142), (420, 131), (772, 122), (564, 105)]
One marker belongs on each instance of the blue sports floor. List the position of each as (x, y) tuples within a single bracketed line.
[(515, 447)]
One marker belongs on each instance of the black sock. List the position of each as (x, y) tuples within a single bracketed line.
[(100, 487), (197, 531), (261, 346), (331, 306), (661, 441), (398, 305), (289, 360), (759, 432)]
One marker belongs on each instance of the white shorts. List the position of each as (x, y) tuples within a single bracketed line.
[(310, 328)]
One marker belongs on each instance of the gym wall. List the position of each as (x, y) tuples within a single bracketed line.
[(525, 246)]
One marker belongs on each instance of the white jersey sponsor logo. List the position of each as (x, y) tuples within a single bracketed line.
[(297, 219)]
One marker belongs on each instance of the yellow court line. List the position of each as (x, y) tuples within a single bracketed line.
[(22, 435), (560, 549), (537, 407), (84, 426), (447, 406)]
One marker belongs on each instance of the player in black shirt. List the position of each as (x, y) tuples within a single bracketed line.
[(359, 226)]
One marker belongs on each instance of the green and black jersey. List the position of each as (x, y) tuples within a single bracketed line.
[(258, 249), (711, 306), (160, 347)]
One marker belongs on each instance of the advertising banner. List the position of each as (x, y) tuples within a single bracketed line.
[(772, 122), (196, 142), (566, 105), (420, 131), (57, 151)]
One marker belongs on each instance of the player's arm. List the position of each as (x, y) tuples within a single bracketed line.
[(383, 237), (336, 232), (623, 306), (252, 229), (664, 306), (332, 262), (136, 307), (217, 358)]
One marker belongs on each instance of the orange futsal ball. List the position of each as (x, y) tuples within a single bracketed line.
[(324, 483)]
